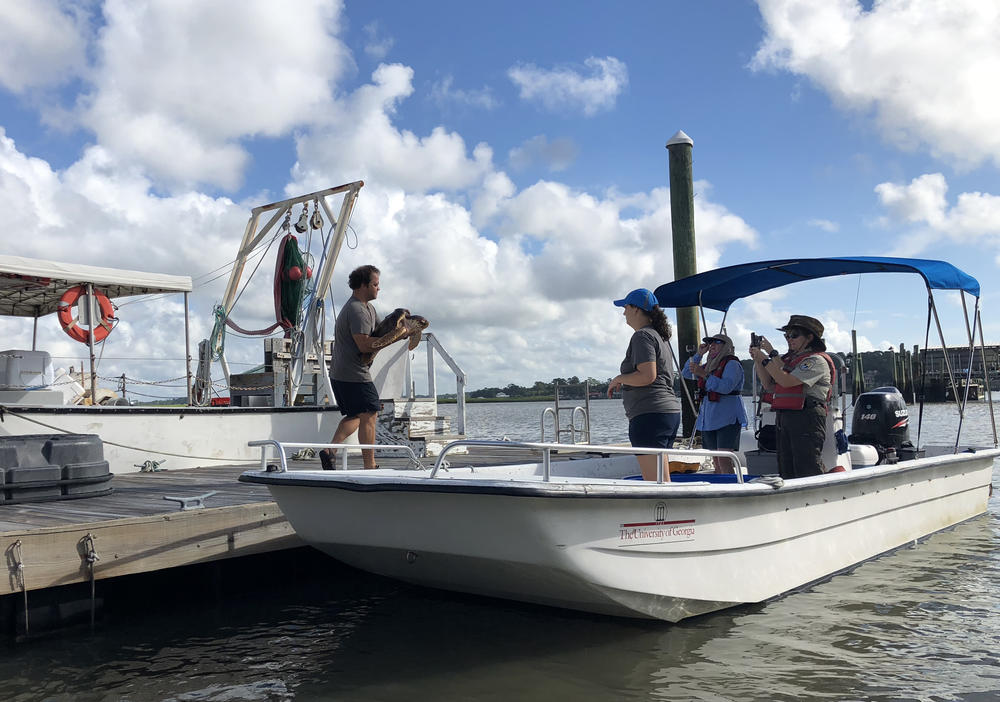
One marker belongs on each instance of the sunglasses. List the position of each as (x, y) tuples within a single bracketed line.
[(793, 334), (717, 341)]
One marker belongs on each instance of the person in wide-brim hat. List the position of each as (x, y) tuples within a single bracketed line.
[(807, 324), (721, 415), (800, 384)]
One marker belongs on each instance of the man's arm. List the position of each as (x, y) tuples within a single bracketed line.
[(365, 343)]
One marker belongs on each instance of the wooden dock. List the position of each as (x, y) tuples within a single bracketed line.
[(135, 530)]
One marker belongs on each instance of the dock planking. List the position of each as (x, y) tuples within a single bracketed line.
[(135, 530)]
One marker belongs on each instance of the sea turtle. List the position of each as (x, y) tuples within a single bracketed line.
[(395, 326)]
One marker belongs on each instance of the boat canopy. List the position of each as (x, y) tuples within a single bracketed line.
[(30, 287), (718, 289)]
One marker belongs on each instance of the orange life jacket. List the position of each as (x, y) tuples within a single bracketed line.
[(793, 397), (711, 394)]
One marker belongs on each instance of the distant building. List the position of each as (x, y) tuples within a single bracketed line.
[(502, 394)]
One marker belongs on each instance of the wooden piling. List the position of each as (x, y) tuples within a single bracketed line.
[(680, 147)]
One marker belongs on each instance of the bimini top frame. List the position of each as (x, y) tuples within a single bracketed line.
[(718, 289)]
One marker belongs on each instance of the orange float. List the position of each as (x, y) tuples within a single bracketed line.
[(70, 323)]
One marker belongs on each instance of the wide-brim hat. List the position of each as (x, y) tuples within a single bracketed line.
[(810, 324)]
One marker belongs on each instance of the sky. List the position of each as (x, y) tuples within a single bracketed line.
[(513, 154)]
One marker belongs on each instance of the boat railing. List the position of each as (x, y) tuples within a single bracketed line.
[(281, 452), (661, 454), (433, 345)]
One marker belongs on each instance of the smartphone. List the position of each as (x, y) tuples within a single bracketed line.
[(754, 340)]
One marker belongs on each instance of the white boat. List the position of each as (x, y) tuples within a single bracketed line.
[(290, 398), (584, 534), (589, 538)]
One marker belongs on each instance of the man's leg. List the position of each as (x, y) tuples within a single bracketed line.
[(366, 435), (347, 426)]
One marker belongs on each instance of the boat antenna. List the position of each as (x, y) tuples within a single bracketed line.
[(857, 297)]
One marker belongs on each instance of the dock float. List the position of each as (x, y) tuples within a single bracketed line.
[(158, 520), (150, 521)]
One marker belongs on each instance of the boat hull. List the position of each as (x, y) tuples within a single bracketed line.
[(626, 548), (177, 437)]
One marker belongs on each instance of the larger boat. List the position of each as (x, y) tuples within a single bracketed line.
[(288, 397), (585, 534)]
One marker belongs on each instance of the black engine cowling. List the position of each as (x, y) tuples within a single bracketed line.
[(882, 420)]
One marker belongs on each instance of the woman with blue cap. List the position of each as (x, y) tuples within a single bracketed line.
[(646, 379)]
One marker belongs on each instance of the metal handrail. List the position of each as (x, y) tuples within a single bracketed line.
[(280, 446), (555, 423), (572, 431), (585, 427), (547, 449)]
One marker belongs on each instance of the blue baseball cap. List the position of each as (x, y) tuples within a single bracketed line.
[(641, 298)]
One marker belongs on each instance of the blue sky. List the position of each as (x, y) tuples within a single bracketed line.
[(513, 154)]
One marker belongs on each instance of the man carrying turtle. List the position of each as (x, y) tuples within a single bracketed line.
[(353, 388)]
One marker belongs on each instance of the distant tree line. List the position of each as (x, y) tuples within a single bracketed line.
[(572, 387), (878, 371)]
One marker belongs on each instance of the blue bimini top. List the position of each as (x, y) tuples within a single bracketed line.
[(719, 288)]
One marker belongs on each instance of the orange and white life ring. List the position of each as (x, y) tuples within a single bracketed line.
[(70, 323)]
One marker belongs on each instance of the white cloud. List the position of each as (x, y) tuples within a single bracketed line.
[(517, 283), (568, 88), (101, 212), (376, 45), (42, 43), (179, 83), (924, 201), (555, 155), (824, 224), (444, 94), (358, 138), (925, 69)]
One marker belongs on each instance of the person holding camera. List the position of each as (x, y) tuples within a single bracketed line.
[(800, 384), (721, 416)]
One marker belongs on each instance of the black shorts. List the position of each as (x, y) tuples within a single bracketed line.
[(654, 430), (355, 398)]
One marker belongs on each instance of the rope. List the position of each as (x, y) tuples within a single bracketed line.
[(91, 557), (16, 557)]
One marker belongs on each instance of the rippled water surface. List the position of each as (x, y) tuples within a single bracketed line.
[(922, 623)]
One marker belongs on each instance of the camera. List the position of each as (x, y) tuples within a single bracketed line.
[(754, 341)]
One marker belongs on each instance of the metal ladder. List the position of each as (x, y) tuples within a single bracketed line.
[(557, 412)]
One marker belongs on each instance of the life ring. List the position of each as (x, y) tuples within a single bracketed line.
[(69, 323)]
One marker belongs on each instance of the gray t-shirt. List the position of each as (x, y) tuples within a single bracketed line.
[(356, 317), (645, 346)]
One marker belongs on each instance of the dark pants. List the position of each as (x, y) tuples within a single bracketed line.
[(801, 434), (654, 430)]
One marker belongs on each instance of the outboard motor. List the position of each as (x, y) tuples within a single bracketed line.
[(882, 420)]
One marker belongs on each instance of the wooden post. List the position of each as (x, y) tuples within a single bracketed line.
[(685, 260)]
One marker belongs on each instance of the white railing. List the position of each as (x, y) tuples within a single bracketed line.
[(434, 345), (547, 449), (281, 452)]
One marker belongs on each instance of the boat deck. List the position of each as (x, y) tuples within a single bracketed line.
[(135, 530)]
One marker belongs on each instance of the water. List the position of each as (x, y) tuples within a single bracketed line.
[(922, 623)]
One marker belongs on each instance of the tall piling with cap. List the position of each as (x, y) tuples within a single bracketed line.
[(685, 263)]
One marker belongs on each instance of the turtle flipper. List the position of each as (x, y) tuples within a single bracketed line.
[(416, 325)]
